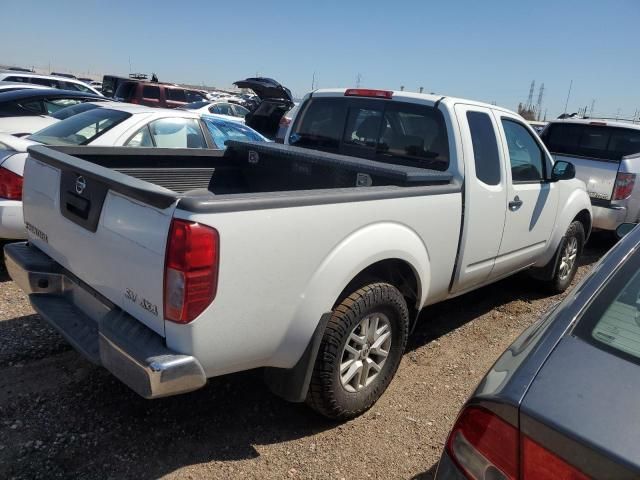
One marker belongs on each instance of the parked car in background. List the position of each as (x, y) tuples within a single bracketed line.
[(86, 80), (51, 81), (285, 122), (153, 94), (603, 153), (11, 86), (275, 101), (109, 124), (65, 75), (228, 110), (339, 252), (561, 401), (537, 126), (23, 126), (41, 101)]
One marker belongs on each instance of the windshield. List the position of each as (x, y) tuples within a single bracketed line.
[(612, 321), (80, 129), (222, 131)]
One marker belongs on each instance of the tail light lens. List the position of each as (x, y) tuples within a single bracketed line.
[(540, 463), (367, 92), (191, 270), (624, 185), (486, 447), (10, 185)]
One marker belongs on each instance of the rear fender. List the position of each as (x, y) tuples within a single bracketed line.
[(348, 258)]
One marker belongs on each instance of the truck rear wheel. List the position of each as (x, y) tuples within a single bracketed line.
[(567, 264), (360, 351)]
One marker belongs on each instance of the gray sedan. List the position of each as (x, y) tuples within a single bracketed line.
[(562, 401)]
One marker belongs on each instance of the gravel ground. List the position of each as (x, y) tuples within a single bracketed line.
[(61, 417)]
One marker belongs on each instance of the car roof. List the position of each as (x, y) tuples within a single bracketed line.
[(598, 122), (38, 75), (42, 93), (135, 109), (21, 84), (404, 95)]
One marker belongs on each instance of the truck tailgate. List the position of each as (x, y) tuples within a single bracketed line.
[(599, 175), (106, 228)]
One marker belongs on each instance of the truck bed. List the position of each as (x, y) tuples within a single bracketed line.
[(244, 169)]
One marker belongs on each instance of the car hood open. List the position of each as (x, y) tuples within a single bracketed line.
[(266, 88)]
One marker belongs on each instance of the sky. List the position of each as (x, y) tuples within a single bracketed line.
[(483, 50)]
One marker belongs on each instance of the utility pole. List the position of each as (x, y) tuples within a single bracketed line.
[(593, 102), (529, 105), (618, 114), (358, 80), (313, 81), (568, 95), (539, 107), (130, 70)]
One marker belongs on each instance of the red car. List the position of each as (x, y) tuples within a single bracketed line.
[(155, 94)]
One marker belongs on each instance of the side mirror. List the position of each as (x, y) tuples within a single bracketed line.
[(563, 171), (624, 228)]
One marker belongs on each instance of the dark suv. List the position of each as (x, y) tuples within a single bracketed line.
[(154, 94)]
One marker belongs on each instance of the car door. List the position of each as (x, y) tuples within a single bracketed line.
[(532, 200), (485, 196)]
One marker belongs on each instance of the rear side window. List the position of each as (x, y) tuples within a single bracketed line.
[(485, 148), (391, 132), (77, 87), (151, 92), (177, 133), (126, 91), (596, 141), (47, 82), (193, 96), (175, 95)]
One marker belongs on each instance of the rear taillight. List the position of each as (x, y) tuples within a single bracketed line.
[(485, 447), (624, 185), (191, 270), (10, 185), (540, 463), (367, 92)]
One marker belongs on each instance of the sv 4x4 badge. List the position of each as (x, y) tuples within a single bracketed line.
[(144, 303)]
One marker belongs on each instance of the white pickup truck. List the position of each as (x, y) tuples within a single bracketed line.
[(311, 259)]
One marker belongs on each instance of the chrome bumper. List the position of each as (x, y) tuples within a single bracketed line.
[(609, 217), (99, 330)]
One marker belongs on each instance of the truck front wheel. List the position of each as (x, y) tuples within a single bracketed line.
[(360, 351), (569, 254)]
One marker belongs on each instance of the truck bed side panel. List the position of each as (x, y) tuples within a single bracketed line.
[(271, 262)]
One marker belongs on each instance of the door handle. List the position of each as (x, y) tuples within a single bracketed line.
[(515, 204)]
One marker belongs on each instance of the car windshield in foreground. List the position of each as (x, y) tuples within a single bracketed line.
[(612, 320), (195, 105), (80, 129), (222, 131)]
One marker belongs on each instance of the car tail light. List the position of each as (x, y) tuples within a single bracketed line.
[(367, 92), (191, 270), (484, 445), (624, 185), (540, 463), (10, 185)]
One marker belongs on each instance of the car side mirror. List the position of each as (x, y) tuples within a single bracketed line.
[(563, 171), (624, 228)]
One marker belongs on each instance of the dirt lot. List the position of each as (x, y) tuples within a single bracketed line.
[(61, 417)]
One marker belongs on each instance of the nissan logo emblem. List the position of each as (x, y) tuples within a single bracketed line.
[(81, 184)]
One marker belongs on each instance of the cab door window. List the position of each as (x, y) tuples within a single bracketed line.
[(525, 155)]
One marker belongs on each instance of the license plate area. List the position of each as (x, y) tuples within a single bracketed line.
[(81, 199)]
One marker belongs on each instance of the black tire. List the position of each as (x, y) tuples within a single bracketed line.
[(326, 394), (561, 280)]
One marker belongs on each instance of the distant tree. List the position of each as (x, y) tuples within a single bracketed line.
[(526, 113)]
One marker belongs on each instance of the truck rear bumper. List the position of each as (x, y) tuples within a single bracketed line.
[(99, 330), (609, 217)]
